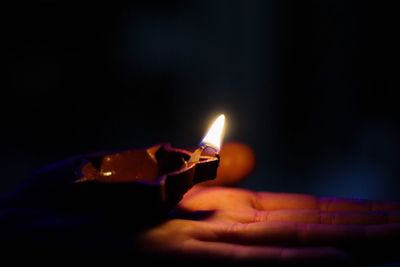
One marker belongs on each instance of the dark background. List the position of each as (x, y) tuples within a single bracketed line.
[(310, 85)]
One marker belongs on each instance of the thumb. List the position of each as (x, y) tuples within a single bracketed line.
[(237, 162)]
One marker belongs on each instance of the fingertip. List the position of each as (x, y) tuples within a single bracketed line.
[(237, 162)]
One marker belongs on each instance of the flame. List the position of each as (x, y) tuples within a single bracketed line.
[(214, 135)]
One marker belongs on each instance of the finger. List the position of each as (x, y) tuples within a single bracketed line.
[(308, 216), (237, 162), (283, 233), (274, 201), (235, 253), (343, 204), (222, 198), (217, 198)]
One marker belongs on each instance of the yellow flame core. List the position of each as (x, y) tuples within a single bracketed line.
[(214, 135)]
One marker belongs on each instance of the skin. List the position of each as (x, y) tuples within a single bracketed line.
[(231, 225), (237, 162), (211, 224)]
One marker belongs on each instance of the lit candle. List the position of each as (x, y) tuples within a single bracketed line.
[(212, 140), (160, 174), (214, 135)]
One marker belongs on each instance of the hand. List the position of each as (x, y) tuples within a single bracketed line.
[(210, 224), (239, 226)]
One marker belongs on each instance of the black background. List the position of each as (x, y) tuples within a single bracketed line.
[(310, 85)]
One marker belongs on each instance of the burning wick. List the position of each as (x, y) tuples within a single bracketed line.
[(212, 140)]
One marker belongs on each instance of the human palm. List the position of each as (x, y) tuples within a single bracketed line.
[(211, 224), (239, 226)]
